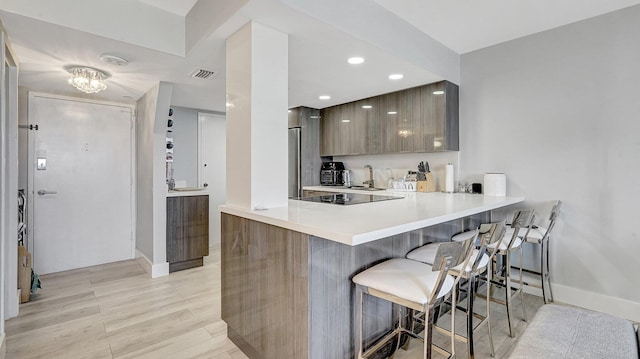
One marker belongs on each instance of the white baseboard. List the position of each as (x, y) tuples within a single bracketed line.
[(3, 348), (18, 300), (154, 270), (595, 301), (590, 300)]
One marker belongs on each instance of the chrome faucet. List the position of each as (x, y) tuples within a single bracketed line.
[(370, 181)]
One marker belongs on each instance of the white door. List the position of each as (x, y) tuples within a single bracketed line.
[(81, 183), (212, 167)]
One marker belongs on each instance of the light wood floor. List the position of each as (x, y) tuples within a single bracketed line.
[(117, 311)]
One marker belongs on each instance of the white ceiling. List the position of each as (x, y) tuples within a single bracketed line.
[(318, 49), (468, 25), (178, 7)]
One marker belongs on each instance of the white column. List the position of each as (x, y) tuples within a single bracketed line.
[(257, 101)]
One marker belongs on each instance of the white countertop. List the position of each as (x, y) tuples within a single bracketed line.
[(200, 192), (366, 222)]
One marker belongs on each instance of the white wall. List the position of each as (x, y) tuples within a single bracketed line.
[(151, 192), (558, 113), (397, 165), (185, 142), (8, 182), (145, 118)]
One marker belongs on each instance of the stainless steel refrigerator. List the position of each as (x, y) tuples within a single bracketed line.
[(295, 185)]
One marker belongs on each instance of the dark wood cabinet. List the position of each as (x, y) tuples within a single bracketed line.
[(187, 231), (420, 119)]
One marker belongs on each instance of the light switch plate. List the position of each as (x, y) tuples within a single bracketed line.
[(42, 163)]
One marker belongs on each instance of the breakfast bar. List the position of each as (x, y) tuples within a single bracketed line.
[(286, 272)]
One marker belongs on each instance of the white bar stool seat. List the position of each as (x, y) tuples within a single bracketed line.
[(522, 219), (401, 278), (503, 245), (414, 285), (478, 263), (540, 236)]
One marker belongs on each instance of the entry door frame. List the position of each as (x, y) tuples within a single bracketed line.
[(32, 161), (9, 305)]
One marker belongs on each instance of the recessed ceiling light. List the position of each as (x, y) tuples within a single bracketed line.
[(289, 111), (355, 60), (367, 106), (395, 76), (392, 113), (346, 121), (439, 92), (324, 97)]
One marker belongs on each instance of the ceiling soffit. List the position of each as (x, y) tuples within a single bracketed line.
[(139, 23)]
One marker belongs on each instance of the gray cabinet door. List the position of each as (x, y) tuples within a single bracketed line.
[(430, 121), (187, 231), (329, 131), (420, 119)]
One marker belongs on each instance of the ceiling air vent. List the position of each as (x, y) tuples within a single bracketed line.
[(201, 74)]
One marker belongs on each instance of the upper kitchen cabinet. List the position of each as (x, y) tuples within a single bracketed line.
[(436, 127), (331, 142), (294, 119), (420, 119), (344, 131), (397, 118)]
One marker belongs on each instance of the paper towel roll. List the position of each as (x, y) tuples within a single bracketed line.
[(495, 184), (449, 178)]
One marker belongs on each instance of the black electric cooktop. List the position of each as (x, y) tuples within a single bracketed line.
[(345, 199)]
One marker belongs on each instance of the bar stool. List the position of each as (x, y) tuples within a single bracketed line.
[(521, 220), (411, 285), (478, 264), (540, 235)]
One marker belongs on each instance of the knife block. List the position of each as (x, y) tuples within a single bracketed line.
[(428, 185)]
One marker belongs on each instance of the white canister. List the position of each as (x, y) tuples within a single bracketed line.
[(495, 184)]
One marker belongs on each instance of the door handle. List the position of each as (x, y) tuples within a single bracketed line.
[(42, 192)]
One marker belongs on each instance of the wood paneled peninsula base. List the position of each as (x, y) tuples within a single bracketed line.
[(286, 276)]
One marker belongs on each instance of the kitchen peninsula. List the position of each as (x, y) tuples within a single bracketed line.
[(286, 272)]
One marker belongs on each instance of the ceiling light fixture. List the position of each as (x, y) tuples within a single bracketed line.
[(324, 97), (367, 106), (396, 76), (113, 60), (355, 60), (392, 113), (439, 92), (87, 79)]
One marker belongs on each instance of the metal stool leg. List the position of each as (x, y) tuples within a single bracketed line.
[(359, 319), (521, 286), (428, 333), (488, 299), (544, 272), (470, 298), (507, 288)]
